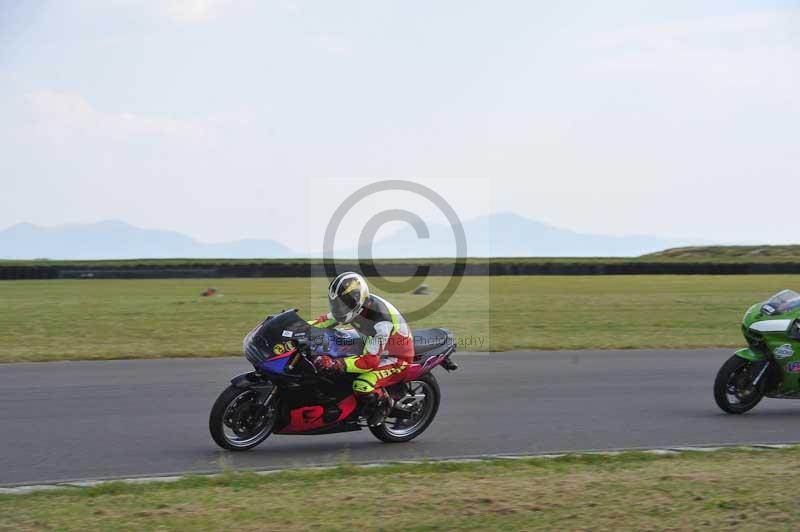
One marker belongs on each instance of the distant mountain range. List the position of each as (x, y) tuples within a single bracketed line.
[(511, 235), (114, 239), (495, 235)]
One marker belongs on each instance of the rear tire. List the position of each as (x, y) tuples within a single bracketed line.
[(230, 414), (399, 431), (730, 387)]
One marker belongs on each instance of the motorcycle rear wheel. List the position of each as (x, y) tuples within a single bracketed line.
[(424, 402), (732, 389), (238, 421)]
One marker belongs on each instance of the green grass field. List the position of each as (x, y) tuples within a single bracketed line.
[(104, 319), (729, 490), (786, 253)]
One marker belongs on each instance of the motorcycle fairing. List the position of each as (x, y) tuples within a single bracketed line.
[(252, 380), (749, 354), (432, 347), (312, 417), (274, 337), (305, 418), (417, 370), (325, 405), (277, 364)]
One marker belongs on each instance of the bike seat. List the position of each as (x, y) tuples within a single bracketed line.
[(426, 340)]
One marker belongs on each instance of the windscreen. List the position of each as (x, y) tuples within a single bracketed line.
[(274, 336), (782, 302)]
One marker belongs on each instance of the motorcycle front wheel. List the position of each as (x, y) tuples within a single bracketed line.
[(241, 418), (413, 412), (733, 388)]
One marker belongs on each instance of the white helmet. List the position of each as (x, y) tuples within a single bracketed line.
[(346, 296)]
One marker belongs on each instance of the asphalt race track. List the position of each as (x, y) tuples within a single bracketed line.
[(82, 420)]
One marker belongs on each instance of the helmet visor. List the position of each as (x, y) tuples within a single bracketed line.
[(343, 305)]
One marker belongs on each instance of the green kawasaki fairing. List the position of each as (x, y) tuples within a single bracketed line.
[(772, 331), (770, 367)]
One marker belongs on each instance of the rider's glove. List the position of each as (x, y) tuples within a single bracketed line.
[(326, 364)]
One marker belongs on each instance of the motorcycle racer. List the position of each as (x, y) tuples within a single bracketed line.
[(388, 344)]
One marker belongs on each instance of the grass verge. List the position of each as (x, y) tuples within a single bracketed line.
[(690, 491), (107, 319)]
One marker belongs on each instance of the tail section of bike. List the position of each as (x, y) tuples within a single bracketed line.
[(432, 347)]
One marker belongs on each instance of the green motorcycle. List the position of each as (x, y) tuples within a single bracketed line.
[(771, 365)]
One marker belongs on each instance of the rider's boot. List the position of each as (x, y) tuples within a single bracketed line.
[(376, 405)]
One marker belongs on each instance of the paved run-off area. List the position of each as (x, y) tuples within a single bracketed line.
[(78, 420)]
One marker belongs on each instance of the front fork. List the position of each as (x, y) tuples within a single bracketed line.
[(265, 390), (761, 364), (764, 366)]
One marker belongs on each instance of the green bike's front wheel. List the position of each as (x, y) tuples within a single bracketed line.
[(733, 388)]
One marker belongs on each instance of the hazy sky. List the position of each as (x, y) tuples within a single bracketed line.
[(232, 119)]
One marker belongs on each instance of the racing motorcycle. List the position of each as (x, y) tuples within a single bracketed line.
[(287, 395), (770, 366)]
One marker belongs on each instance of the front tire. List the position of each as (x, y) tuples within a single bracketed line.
[(240, 420), (733, 389), (423, 402)]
